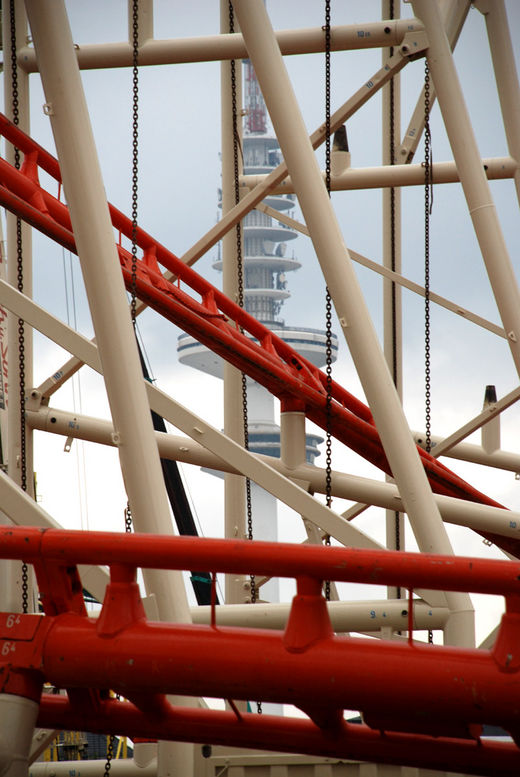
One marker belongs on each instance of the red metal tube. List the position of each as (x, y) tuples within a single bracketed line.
[(352, 742), (441, 686), (384, 567)]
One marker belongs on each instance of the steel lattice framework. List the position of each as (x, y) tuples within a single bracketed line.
[(423, 705)]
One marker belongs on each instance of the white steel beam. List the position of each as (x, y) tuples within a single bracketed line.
[(454, 14), (213, 48), (350, 307), (249, 201), (240, 460), (473, 179), (344, 486), (181, 449), (505, 74), (85, 193), (497, 168), (236, 588), (443, 446), (386, 272)]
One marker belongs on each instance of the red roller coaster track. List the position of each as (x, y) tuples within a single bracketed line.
[(218, 323)]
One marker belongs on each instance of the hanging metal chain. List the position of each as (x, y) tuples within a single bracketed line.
[(240, 283), (128, 518), (110, 755), (427, 212), (19, 278), (135, 151), (393, 293), (328, 301)]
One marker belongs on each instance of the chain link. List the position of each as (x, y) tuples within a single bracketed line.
[(135, 151), (19, 278)]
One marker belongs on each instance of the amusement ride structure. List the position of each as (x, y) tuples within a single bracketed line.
[(143, 663)]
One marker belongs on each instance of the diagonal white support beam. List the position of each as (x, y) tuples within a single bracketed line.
[(240, 460), (386, 272), (250, 200), (374, 492), (83, 185), (348, 301), (473, 179)]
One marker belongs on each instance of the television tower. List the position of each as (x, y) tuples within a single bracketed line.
[(266, 262)]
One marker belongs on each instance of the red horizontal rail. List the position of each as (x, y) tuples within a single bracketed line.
[(265, 732), (381, 567), (453, 687), (216, 321)]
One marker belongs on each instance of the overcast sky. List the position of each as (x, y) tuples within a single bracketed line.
[(179, 175)]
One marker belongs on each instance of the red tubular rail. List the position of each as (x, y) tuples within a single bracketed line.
[(352, 742), (382, 567), (421, 689), (215, 321)]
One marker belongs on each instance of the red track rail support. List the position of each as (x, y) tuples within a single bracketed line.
[(432, 691)]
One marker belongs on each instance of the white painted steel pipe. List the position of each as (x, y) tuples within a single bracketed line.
[(358, 489), (18, 718), (497, 168), (392, 292), (119, 767), (472, 176), (292, 438), (340, 276), (505, 73), (93, 231), (234, 486), (213, 48), (85, 194), (345, 616)]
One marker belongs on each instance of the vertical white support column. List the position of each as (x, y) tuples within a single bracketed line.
[(83, 186), (348, 300), (236, 587), (392, 293), (18, 716), (505, 74), (11, 592), (472, 176), (144, 21)]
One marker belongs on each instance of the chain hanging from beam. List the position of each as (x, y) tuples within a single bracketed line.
[(135, 182), (393, 292), (240, 280), (428, 201), (20, 284), (328, 301)]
